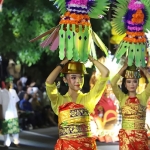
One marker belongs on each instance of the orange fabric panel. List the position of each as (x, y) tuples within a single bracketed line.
[(81, 143), (135, 140)]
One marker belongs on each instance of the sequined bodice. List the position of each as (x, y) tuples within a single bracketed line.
[(133, 114)]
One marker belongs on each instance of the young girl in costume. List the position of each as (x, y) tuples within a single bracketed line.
[(74, 107), (133, 135)]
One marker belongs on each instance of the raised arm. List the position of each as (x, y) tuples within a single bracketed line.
[(103, 70), (146, 72), (123, 68), (146, 94), (120, 73), (116, 90), (53, 75)]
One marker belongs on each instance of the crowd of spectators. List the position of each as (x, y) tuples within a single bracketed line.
[(34, 107)]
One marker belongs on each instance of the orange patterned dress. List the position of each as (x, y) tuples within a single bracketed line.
[(74, 128)]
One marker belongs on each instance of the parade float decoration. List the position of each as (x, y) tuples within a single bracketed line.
[(74, 35), (104, 119), (132, 17), (147, 121), (110, 64)]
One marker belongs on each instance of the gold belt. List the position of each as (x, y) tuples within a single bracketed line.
[(133, 125), (74, 131)]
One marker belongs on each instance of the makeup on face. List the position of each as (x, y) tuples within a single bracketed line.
[(76, 80), (131, 84), (131, 80), (77, 77)]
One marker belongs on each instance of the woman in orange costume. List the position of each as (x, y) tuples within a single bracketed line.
[(133, 135), (74, 107)]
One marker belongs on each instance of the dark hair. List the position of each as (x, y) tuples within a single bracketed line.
[(62, 88), (123, 88)]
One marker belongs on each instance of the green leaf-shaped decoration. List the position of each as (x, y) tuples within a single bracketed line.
[(69, 42), (61, 5), (120, 9), (100, 7), (62, 47), (99, 43), (147, 8)]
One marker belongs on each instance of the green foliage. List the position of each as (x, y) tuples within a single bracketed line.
[(20, 22), (103, 29), (23, 20), (101, 26)]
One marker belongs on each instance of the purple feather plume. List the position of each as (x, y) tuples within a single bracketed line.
[(90, 4)]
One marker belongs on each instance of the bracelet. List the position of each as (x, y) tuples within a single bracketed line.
[(61, 65)]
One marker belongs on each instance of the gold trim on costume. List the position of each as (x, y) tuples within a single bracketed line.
[(133, 124), (74, 123), (74, 131), (73, 115)]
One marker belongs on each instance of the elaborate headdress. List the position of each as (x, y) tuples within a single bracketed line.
[(132, 17), (74, 34), (132, 72), (74, 68)]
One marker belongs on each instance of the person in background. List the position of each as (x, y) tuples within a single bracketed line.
[(25, 105), (27, 112), (10, 124), (74, 108), (49, 115), (23, 80), (132, 135), (21, 91), (37, 108)]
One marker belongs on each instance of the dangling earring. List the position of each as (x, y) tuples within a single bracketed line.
[(66, 84)]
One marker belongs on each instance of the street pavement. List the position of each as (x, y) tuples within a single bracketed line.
[(45, 139)]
